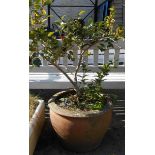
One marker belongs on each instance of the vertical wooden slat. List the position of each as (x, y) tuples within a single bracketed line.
[(65, 60), (60, 61), (116, 57), (85, 59), (44, 62), (96, 57), (124, 56), (120, 43), (75, 53), (106, 56)]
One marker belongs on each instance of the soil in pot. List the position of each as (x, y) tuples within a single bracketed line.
[(79, 131)]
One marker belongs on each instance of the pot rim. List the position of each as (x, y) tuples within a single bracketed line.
[(36, 116), (71, 113)]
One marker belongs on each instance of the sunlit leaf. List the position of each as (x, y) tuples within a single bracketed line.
[(50, 34), (44, 12), (82, 12)]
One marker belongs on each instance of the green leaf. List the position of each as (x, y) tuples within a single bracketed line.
[(44, 12), (50, 34), (82, 12), (101, 48), (87, 53), (100, 23), (48, 2), (43, 20), (112, 8), (63, 17), (90, 21), (37, 1), (36, 62), (110, 45), (30, 3)]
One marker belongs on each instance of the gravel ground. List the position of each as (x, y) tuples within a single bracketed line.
[(112, 144)]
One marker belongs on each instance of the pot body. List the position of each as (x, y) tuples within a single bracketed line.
[(81, 133), (36, 125)]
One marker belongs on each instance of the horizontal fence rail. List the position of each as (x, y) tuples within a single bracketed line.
[(95, 59)]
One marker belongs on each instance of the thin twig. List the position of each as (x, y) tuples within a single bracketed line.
[(78, 67), (61, 70)]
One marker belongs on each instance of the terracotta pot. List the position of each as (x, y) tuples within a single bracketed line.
[(36, 125), (79, 132)]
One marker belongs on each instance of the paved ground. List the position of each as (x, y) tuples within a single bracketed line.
[(112, 144)]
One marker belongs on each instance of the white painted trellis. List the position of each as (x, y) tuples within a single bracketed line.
[(48, 77)]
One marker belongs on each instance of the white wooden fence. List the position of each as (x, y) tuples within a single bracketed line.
[(48, 77)]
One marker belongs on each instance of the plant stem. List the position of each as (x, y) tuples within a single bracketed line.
[(78, 67), (80, 59), (67, 76)]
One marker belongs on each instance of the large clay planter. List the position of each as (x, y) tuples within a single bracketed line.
[(79, 132), (36, 125)]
